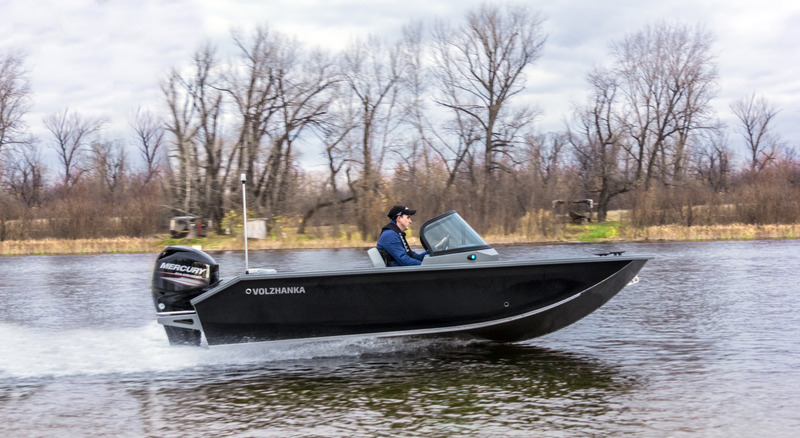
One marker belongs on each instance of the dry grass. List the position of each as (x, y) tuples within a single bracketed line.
[(288, 239), (712, 232), (78, 246)]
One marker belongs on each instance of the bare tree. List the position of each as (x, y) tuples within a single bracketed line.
[(480, 68), (207, 100), (304, 93), (110, 167), (149, 133), (713, 161), (597, 142), (72, 134), (15, 142), (334, 134), (755, 115), (15, 100), (544, 170), (25, 172), (195, 106), (415, 112), (252, 86), (182, 156), (667, 78), (371, 73), (545, 153), (279, 90)]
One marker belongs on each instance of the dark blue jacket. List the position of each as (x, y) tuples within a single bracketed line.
[(393, 241)]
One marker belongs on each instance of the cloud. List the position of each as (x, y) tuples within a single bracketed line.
[(106, 58)]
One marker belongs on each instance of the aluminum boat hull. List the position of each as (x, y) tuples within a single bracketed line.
[(499, 301)]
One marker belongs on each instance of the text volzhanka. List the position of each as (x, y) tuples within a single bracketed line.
[(275, 290)]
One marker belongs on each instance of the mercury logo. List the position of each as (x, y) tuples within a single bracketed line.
[(191, 270)]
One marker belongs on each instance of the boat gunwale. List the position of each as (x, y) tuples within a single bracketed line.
[(412, 269)]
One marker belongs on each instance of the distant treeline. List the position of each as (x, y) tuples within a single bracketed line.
[(437, 120)]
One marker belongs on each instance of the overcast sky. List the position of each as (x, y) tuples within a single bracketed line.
[(106, 57)]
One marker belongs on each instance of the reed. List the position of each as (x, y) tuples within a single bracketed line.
[(288, 239), (117, 245)]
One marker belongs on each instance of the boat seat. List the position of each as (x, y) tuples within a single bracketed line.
[(375, 257)]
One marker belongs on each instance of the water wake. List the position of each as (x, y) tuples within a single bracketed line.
[(28, 352)]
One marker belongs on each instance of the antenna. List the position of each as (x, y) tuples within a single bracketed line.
[(244, 218)]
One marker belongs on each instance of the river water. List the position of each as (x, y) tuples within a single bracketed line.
[(706, 344)]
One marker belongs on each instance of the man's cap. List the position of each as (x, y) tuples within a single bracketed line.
[(397, 210)]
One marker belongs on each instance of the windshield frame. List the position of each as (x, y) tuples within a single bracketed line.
[(452, 222)]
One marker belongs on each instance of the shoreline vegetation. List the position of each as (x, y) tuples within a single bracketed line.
[(605, 232), (449, 135)]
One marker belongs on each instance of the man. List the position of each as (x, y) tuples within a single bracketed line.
[(392, 243)]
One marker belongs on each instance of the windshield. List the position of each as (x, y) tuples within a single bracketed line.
[(449, 233)]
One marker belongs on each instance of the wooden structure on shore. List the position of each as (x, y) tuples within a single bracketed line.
[(576, 211)]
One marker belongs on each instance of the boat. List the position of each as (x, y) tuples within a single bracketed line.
[(462, 288)]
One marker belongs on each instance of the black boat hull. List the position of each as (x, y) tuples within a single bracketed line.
[(501, 301)]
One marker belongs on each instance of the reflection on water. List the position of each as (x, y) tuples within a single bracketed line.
[(707, 343), (424, 387), (437, 390)]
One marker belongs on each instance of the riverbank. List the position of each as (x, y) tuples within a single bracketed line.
[(607, 232)]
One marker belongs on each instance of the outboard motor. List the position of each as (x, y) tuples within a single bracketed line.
[(181, 273)]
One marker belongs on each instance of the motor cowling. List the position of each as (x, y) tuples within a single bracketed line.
[(181, 273)]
